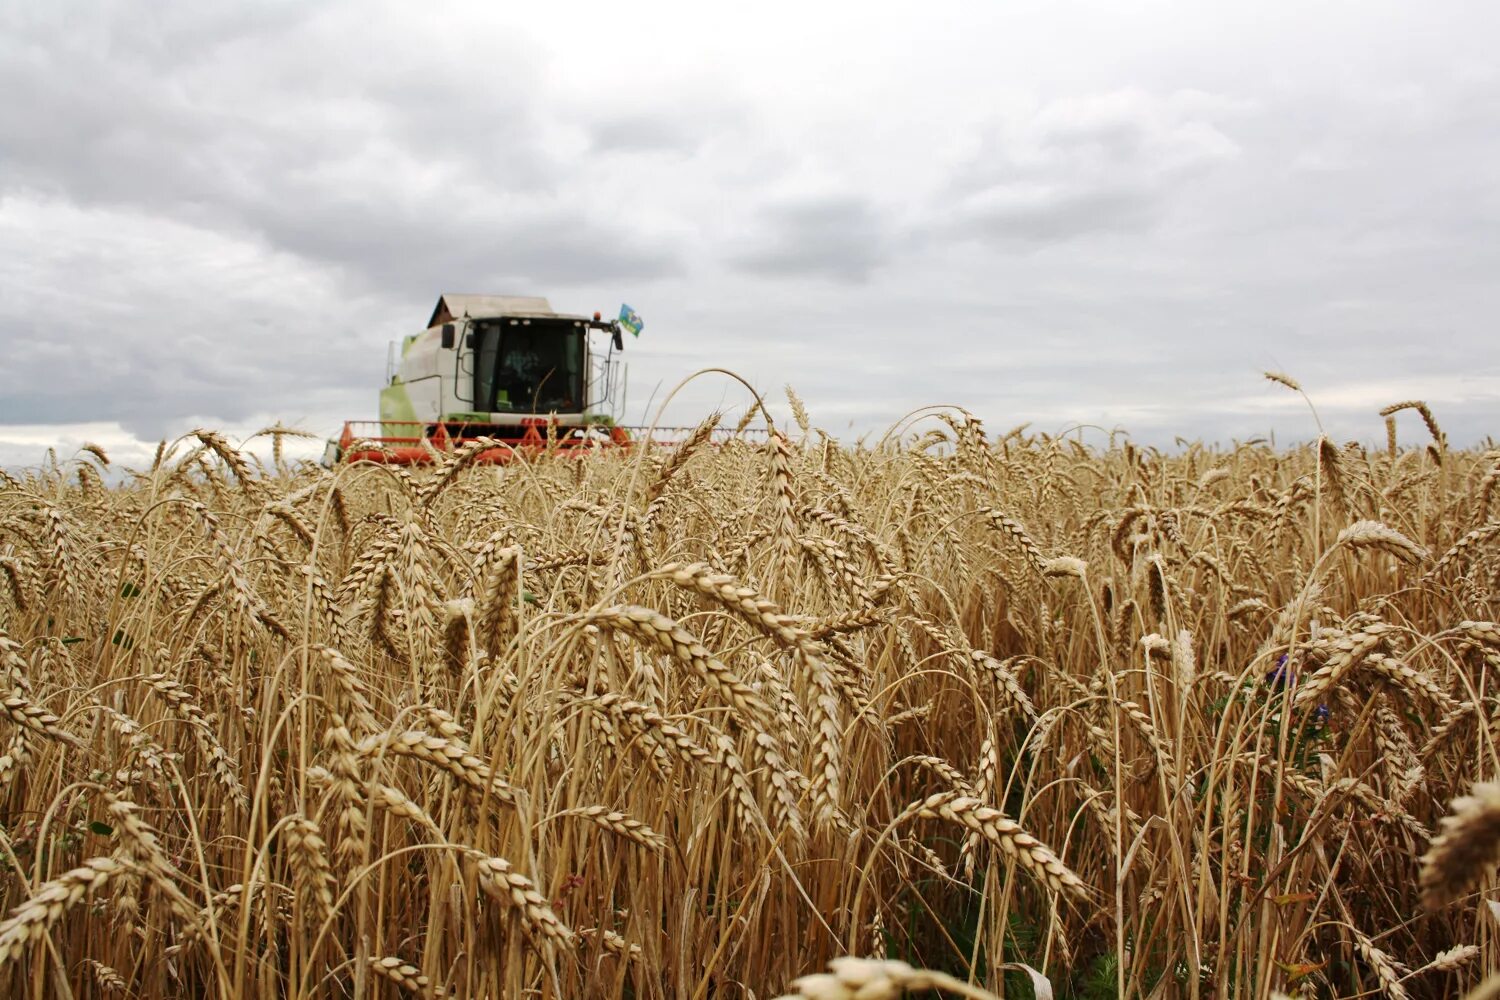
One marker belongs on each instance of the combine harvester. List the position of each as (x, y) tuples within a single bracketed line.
[(501, 367)]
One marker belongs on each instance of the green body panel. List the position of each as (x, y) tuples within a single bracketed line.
[(395, 404)]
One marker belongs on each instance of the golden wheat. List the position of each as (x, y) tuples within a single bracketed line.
[(739, 708)]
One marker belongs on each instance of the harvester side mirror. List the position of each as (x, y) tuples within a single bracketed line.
[(447, 336)]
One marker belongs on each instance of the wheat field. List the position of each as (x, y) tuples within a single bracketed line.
[(994, 713)]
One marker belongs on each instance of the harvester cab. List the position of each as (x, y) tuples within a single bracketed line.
[(493, 366)]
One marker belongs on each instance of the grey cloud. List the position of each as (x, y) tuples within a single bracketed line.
[(391, 163), (842, 238), (1106, 163), (168, 36), (228, 209), (644, 134), (1046, 214), (448, 247), (116, 315), (678, 122), (147, 379), (300, 200)]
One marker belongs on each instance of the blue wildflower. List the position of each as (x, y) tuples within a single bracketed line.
[(1279, 676), (1282, 676)]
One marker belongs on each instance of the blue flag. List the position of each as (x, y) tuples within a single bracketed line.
[(630, 321)]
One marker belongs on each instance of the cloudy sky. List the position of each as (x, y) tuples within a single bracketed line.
[(1058, 212)]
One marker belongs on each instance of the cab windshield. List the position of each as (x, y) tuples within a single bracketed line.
[(528, 366)]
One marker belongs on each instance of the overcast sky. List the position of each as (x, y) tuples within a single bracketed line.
[(1115, 214)]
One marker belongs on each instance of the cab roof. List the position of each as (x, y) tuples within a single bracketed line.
[(451, 306)]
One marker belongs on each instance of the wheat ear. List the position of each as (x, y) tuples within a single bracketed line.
[(314, 876), (24, 712), (106, 978), (1016, 532), (35, 917), (1373, 534), (406, 976), (659, 630), (1467, 844), (877, 979), (501, 882), (1386, 969), (1005, 833)]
